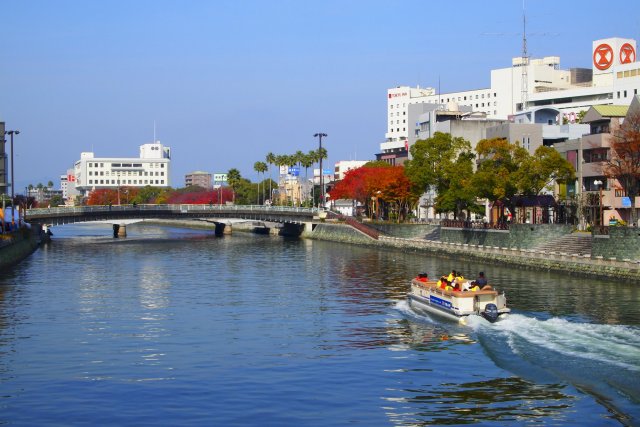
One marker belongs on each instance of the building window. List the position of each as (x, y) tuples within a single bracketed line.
[(618, 94), (625, 93)]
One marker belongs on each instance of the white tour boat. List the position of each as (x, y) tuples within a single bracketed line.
[(457, 305)]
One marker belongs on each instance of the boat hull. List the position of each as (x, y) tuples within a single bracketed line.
[(453, 305)]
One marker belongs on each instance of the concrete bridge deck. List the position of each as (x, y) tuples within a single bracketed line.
[(116, 214)]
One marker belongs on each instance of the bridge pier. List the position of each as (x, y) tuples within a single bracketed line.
[(223, 228), (119, 230)]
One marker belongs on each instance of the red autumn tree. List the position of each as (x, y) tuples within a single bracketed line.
[(379, 188), (624, 162), (103, 196)]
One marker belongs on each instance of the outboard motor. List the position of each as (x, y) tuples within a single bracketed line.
[(490, 312)]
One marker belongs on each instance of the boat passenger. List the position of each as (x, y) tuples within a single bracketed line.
[(452, 276), (481, 280), (443, 282), (423, 277)]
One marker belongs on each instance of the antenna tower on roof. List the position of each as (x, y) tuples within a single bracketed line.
[(525, 61)]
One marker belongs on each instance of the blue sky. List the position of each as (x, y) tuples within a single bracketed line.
[(226, 82)]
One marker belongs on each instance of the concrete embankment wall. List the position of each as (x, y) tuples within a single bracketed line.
[(621, 243), (521, 258), (11, 253)]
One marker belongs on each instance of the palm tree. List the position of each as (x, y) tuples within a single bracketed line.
[(280, 161), (260, 167), (322, 154), (270, 159), (306, 163), (233, 178)]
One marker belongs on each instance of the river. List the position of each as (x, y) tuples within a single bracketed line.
[(179, 327)]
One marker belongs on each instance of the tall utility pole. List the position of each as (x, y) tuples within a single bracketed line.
[(319, 136), (11, 133)]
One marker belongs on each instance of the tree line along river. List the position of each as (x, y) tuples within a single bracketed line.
[(179, 327)]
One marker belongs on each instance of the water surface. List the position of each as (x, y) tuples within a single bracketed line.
[(178, 327)]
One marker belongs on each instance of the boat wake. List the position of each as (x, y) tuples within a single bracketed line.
[(602, 360)]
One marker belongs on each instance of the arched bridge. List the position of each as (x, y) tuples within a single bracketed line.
[(67, 215)]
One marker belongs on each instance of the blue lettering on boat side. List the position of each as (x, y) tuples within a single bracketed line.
[(440, 302)]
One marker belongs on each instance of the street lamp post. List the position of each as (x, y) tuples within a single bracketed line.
[(11, 133), (319, 136), (600, 184), (118, 189)]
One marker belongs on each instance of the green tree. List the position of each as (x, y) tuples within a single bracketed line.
[(56, 200), (147, 194), (445, 164), (377, 164), (495, 179), (233, 178), (542, 170), (245, 192), (458, 194)]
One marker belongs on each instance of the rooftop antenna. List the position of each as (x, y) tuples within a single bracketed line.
[(525, 61), (439, 89), (154, 131)]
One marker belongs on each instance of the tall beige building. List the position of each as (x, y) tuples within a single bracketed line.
[(199, 178)]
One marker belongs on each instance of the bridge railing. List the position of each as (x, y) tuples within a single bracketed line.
[(183, 208)]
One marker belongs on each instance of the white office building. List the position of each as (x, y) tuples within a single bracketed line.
[(151, 168), (614, 78), (344, 166)]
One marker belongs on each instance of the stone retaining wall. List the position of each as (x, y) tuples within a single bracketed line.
[(404, 230), (340, 233), (522, 236), (621, 243), (522, 258)]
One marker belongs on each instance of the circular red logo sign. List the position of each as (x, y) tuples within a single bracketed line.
[(627, 54), (603, 56)]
